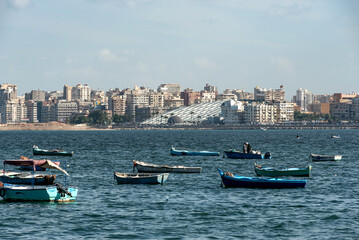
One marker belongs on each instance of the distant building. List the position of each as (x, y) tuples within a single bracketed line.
[(303, 99), (175, 89), (232, 112), (269, 95), (63, 110), (7, 92), (284, 112), (190, 97), (81, 93), (117, 104), (256, 112)]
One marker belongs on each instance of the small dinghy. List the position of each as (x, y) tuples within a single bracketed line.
[(140, 178)]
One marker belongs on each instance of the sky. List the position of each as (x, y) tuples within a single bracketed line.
[(231, 44)]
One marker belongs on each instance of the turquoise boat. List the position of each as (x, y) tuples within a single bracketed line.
[(274, 172), (52, 193), (20, 193), (230, 180), (140, 178), (176, 152), (55, 152)]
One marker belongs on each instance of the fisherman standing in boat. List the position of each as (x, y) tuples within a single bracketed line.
[(245, 147)]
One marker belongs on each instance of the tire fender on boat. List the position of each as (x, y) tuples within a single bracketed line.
[(2, 192)]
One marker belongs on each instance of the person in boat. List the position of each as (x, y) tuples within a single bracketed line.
[(298, 136), (245, 147), (249, 148)]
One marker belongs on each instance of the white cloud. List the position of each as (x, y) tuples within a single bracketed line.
[(283, 65), (17, 3), (107, 56), (204, 63)]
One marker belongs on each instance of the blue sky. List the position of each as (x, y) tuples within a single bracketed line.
[(226, 43)]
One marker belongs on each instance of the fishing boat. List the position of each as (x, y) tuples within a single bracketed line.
[(140, 178), (49, 193), (232, 153), (55, 152), (153, 168), (53, 193), (335, 136), (276, 172), (176, 152), (230, 180), (27, 178), (319, 158)]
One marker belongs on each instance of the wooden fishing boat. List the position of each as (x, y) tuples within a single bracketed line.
[(230, 180), (17, 193), (56, 193), (55, 152), (27, 178), (176, 152), (153, 168), (276, 172), (319, 158), (231, 153), (140, 178)]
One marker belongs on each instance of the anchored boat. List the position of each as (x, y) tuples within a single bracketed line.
[(230, 180), (274, 172), (320, 158), (49, 193), (253, 155), (154, 168), (55, 152), (140, 178), (176, 152)]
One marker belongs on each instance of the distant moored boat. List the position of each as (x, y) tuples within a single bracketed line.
[(55, 152), (176, 152)]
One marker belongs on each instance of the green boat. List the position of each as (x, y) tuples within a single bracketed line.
[(273, 172), (55, 152)]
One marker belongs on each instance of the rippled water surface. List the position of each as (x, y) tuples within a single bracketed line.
[(189, 205)]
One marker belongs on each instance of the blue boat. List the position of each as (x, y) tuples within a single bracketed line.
[(240, 155), (230, 180), (175, 152), (140, 178)]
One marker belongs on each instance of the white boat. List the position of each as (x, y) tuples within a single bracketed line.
[(153, 168), (335, 136), (318, 157)]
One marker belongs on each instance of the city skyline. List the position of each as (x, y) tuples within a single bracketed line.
[(232, 44)]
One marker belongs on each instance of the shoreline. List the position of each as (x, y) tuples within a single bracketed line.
[(54, 126)]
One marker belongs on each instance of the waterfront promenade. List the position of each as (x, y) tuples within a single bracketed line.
[(55, 126)]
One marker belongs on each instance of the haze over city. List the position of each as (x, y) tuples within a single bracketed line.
[(229, 44)]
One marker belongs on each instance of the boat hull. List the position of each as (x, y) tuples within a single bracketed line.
[(240, 155), (320, 158), (271, 172), (37, 193), (175, 152), (153, 168), (28, 180), (249, 182), (50, 153), (140, 178)]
